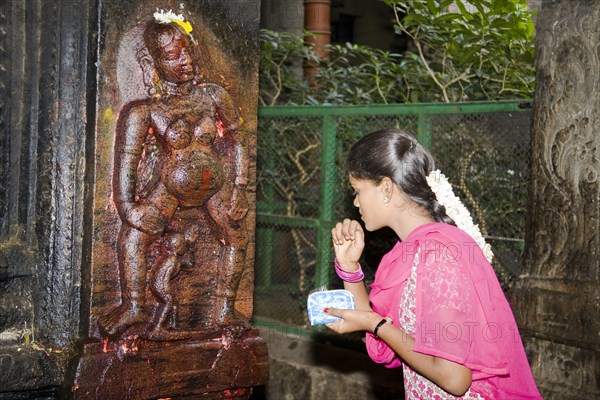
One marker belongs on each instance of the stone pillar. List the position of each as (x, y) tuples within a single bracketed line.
[(45, 47), (127, 183), (557, 300), (317, 20), (282, 15)]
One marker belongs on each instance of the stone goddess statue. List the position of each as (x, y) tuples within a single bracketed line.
[(177, 149)]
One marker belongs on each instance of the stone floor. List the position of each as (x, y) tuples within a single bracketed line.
[(310, 368)]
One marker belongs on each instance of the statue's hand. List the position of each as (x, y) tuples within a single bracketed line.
[(145, 217), (239, 205)]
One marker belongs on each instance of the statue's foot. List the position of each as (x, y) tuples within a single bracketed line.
[(160, 334), (233, 321), (121, 318)]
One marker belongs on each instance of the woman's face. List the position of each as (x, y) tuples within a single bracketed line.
[(368, 197), (173, 59)]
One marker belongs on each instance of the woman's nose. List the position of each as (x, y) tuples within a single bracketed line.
[(355, 201)]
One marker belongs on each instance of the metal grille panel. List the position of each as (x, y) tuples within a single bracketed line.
[(483, 149)]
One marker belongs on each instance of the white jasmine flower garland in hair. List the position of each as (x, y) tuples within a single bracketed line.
[(457, 210)]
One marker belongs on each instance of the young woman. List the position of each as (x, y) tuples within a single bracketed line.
[(436, 307)]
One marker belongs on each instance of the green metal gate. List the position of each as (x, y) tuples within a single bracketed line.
[(302, 189)]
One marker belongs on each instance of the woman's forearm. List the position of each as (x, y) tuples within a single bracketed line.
[(450, 376), (361, 297)]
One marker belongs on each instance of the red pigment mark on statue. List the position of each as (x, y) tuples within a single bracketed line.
[(205, 184), (220, 129), (134, 344), (225, 342), (236, 392), (129, 345), (105, 346)]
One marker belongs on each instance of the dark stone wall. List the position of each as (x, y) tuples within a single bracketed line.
[(557, 299), (45, 73)]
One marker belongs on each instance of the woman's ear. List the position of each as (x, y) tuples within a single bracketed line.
[(387, 187), (392, 194)]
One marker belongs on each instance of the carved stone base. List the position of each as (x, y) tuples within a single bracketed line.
[(224, 367)]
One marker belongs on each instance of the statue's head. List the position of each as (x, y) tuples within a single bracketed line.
[(174, 243), (170, 49)]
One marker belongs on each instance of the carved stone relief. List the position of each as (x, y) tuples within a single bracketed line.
[(557, 299), (172, 247), (177, 152)]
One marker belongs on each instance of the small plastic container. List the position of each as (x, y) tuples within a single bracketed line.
[(320, 299)]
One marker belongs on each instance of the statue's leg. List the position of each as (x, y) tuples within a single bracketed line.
[(132, 251), (165, 269), (172, 317), (233, 255), (166, 314)]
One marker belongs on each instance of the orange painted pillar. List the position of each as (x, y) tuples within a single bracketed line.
[(317, 20)]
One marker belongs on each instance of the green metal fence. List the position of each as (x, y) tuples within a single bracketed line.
[(302, 190)]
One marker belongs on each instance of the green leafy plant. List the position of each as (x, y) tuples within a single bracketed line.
[(281, 58), (458, 50), (470, 50)]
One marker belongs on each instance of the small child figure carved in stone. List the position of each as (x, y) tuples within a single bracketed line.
[(167, 266)]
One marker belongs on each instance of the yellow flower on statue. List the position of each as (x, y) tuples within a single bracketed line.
[(187, 27)]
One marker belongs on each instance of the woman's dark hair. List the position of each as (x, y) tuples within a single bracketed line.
[(397, 155)]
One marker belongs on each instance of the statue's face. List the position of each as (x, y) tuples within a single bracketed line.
[(173, 59)]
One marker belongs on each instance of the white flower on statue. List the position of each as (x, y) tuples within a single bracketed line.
[(166, 17)]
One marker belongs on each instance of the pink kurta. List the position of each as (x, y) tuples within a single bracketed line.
[(438, 287)]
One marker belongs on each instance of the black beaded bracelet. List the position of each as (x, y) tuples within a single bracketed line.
[(379, 325)]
